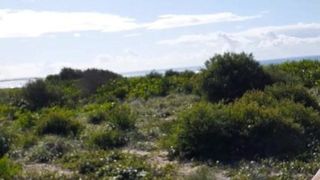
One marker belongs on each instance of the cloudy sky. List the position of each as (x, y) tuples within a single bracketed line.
[(38, 37)]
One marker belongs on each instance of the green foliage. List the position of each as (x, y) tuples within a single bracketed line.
[(70, 74), (148, 86), (8, 112), (59, 123), (97, 117), (122, 117), (257, 125), (108, 139), (93, 78), (27, 120), (110, 165), (230, 75), (296, 93), (11, 96), (38, 95), (307, 71), (8, 169), (4, 144)]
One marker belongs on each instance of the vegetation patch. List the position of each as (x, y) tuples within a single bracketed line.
[(60, 124), (257, 125)]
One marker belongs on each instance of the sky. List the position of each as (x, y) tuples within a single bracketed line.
[(39, 37)]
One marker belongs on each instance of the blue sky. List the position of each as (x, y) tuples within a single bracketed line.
[(38, 37)]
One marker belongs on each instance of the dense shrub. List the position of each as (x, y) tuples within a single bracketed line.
[(108, 139), (27, 120), (308, 71), (8, 112), (38, 95), (60, 124), (296, 93), (230, 75), (146, 87), (11, 96), (4, 144), (97, 117), (92, 79), (70, 74), (279, 75), (257, 125), (8, 169), (122, 117)]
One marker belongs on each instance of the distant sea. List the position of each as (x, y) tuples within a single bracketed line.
[(16, 83)]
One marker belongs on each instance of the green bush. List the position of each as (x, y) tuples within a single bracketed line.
[(4, 144), (60, 124), (38, 95), (296, 93), (307, 71), (257, 125), (8, 169), (122, 117), (92, 79), (97, 117), (136, 87), (230, 75), (27, 120), (108, 139)]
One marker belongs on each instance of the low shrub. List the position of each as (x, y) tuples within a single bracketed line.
[(8, 169), (257, 125), (47, 151), (111, 165), (296, 93), (27, 120), (38, 95), (108, 139), (122, 117), (4, 144), (60, 124), (97, 117)]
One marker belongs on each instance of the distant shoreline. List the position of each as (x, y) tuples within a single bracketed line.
[(19, 82)]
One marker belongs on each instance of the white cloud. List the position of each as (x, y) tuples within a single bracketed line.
[(265, 42), (174, 20), (30, 23)]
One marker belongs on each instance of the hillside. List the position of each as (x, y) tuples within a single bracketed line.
[(235, 119)]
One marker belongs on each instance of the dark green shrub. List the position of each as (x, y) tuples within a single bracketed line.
[(109, 139), (154, 74), (257, 125), (97, 117), (230, 75), (93, 79), (296, 93), (60, 124), (4, 144), (8, 169), (38, 95), (122, 117), (170, 73), (70, 74)]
